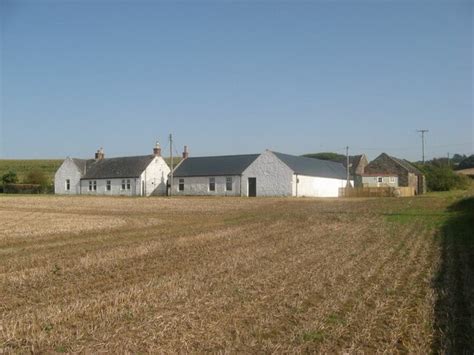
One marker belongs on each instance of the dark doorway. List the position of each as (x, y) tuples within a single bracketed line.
[(252, 187)]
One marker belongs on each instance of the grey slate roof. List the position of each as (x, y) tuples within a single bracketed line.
[(82, 164), (110, 168), (224, 165), (313, 167)]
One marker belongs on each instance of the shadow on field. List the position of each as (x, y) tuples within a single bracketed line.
[(454, 282)]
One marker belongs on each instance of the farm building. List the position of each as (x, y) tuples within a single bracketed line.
[(266, 174), (386, 166), (129, 176)]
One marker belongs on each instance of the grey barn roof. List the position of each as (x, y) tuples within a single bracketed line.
[(114, 168), (313, 167), (215, 166), (236, 165)]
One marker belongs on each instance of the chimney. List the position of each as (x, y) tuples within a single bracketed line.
[(157, 150), (185, 152), (99, 155)]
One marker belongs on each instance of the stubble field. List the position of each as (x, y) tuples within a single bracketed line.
[(87, 274)]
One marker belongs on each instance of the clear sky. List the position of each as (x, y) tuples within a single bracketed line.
[(229, 77)]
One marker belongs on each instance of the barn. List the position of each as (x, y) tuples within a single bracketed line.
[(266, 174), (127, 176)]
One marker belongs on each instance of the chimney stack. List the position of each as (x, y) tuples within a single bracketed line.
[(99, 155), (185, 152), (157, 150)]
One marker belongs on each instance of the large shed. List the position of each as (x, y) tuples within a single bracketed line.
[(266, 174)]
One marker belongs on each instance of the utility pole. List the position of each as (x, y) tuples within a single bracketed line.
[(347, 168), (171, 163), (422, 131)]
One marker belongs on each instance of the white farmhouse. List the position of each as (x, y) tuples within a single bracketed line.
[(129, 176), (266, 174)]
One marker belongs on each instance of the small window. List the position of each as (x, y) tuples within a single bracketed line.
[(181, 185), (90, 185), (392, 179), (128, 184), (123, 184), (212, 184), (95, 185), (68, 185), (109, 185), (380, 179), (228, 183)]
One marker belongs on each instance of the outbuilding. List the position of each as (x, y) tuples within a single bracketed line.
[(266, 174)]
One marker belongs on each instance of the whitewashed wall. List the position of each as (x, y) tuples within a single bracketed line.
[(116, 187), (274, 178), (155, 177), (199, 186), (312, 186), (372, 181), (67, 170)]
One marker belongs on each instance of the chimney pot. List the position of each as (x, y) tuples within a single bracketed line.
[(185, 152), (99, 155), (157, 150)]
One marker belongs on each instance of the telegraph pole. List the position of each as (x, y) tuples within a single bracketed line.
[(347, 167), (171, 163), (422, 131)]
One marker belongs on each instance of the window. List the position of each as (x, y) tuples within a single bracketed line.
[(123, 184), (228, 183), (181, 185), (212, 184), (90, 185), (109, 185), (392, 179), (128, 184), (379, 179), (68, 185), (95, 185)]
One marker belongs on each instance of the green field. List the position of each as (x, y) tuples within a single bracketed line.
[(23, 167)]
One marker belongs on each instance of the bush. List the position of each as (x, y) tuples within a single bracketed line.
[(443, 178), (22, 188), (10, 178), (38, 177)]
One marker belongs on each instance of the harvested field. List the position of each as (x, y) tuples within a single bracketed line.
[(86, 274)]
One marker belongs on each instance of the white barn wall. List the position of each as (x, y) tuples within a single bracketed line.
[(155, 177), (199, 186), (312, 186), (274, 178), (67, 170)]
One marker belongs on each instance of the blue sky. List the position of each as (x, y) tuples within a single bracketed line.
[(235, 77)]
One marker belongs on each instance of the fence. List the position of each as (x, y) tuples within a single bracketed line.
[(385, 191)]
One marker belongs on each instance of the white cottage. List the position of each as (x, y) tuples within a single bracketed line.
[(266, 174), (129, 176)]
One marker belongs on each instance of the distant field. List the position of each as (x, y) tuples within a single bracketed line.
[(23, 167), (167, 275)]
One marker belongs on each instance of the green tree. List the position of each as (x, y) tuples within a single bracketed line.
[(37, 177), (10, 178), (443, 178), (467, 163)]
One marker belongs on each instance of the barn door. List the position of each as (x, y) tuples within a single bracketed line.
[(252, 187)]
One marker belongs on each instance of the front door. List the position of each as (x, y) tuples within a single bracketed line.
[(252, 187)]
